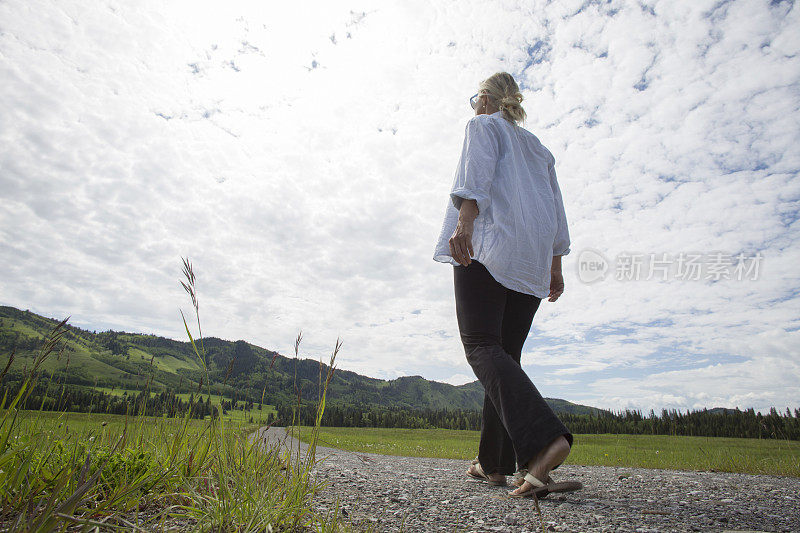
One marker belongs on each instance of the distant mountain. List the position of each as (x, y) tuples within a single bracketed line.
[(119, 361), (721, 410)]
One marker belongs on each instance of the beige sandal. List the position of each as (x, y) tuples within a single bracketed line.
[(541, 490), (519, 478)]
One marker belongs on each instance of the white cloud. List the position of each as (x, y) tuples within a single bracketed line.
[(303, 164), (460, 379)]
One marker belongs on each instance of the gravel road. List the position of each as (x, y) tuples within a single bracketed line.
[(390, 493)]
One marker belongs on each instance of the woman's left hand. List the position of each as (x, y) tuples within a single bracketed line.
[(556, 285)]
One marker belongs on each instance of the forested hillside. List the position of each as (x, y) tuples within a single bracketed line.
[(117, 362)]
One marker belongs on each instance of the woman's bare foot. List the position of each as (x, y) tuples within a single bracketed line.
[(551, 455), (474, 471)]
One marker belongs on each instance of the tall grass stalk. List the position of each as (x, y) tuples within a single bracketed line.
[(68, 471)]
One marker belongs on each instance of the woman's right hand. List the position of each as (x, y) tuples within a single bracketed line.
[(461, 242)]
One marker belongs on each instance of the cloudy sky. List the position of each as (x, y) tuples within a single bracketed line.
[(302, 160)]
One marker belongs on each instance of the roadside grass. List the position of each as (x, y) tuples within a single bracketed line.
[(748, 456), (146, 472), (69, 471)]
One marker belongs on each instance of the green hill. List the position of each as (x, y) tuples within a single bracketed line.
[(117, 361)]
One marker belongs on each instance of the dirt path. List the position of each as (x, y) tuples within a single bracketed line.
[(427, 495)]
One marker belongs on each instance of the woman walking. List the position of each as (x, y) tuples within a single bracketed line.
[(504, 232)]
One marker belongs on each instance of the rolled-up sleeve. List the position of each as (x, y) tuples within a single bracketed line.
[(476, 168), (561, 242)]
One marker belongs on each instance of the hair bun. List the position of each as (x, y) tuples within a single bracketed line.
[(502, 89), (511, 100)]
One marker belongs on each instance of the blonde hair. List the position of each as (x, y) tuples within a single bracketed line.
[(504, 92)]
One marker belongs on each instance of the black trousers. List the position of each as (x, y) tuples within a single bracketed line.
[(494, 322)]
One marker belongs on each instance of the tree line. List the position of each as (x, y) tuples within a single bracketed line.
[(705, 423), (83, 400)]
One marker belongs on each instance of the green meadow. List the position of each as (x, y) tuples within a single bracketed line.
[(105, 428), (749, 456)]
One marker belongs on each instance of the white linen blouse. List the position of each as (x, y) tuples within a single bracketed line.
[(521, 223)]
